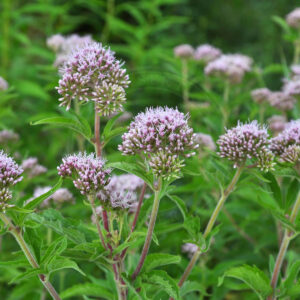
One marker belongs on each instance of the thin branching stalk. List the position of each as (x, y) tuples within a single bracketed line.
[(211, 223), (79, 138), (98, 147), (288, 236), (16, 232), (226, 100), (185, 86), (150, 231)]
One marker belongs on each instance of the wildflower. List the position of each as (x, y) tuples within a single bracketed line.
[(206, 53), (293, 18), (32, 168), (3, 84), (292, 87), (277, 123), (55, 42), (287, 144), (184, 51), (205, 141), (295, 71), (92, 73), (8, 136), (189, 248), (282, 101), (247, 141), (121, 192), (10, 174), (99, 211), (261, 95), (162, 134), (87, 172), (231, 66)]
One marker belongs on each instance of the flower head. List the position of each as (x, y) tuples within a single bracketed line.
[(293, 18), (121, 192), (277, 123), (184, 51), (189, 248), (282, 101), (247, 141), (231, 66), (32, 168), (261, 95), (205, 141), (3, 84), (8, 136), (162, 134), (292, 87), (206, 53), (287, 144), (10, 174), (93, 73), (87, 171)]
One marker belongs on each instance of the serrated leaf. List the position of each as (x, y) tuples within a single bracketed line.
[(192, 286), (37, 201), (87, 289), (253, 277), (113, 133), (55, 249), (292, 274), (109, 125), (180, 204), (162, 279), (66, 122), (26, 275), (155, 260), (63, 263)]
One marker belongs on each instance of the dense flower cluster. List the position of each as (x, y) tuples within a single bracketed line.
[(206, 53), (32, 168), (189, 248), (3, 84), (87, 171), (205, 141), (261, 95), (184, 51), (295, 69), (247, 141), (8, 136), (277, 123), (93, 73), (282, 101), (293, 18), (121, 192), (292, 87), (58, 197), (10, 174), (64, 45), (161, 134), (287, 144), (231, 66)]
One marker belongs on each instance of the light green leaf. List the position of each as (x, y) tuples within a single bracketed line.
[(159, 259), (87, 289), (63, 263), (180, 204), (55, 249), (26, 275)]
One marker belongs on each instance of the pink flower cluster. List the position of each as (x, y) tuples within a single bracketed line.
[(162, 134), (247, 141), (293, 18), (184, 51), (10, 174), (32, 168), (277, 123), (3, 84), (287, 144), (87, 171), (206, 53), (230, 66), (8, 136), (93, 73), (205, 142), (189, 248), (121, 192)]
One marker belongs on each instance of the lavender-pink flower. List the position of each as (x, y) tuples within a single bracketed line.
[(184, 51), (32, 168), (205, 141), (206, 53), (277, 123), (88, 172), (293, 18), (93, 73), (261, 95), (8, 136), (282, 101), (247, 141), (3, 84)]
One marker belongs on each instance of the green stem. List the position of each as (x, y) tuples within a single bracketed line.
[(225, 104), (283, 248), (16, 232), (296, 52), (150, 231), (80, 138), (185, 87), (211, 223)]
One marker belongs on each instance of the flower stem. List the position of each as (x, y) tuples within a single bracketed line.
[(211, 223), (225, 106), (96, 216), (185, 88), (97, 134), (150, 231), (80, 138), (16, 232), (283, 248)]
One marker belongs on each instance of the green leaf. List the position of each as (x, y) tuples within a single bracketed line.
[(164, 281), (113, 133), (155, 260), (282, 23), (180, 204), (274, 186), (291, 277), (253, 277), (26, 275), (63, 263), (192, 286), (37, 201), (87, 289), (55, 249), (192, 226), (109, 125), (133, 169), (66, 122)]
